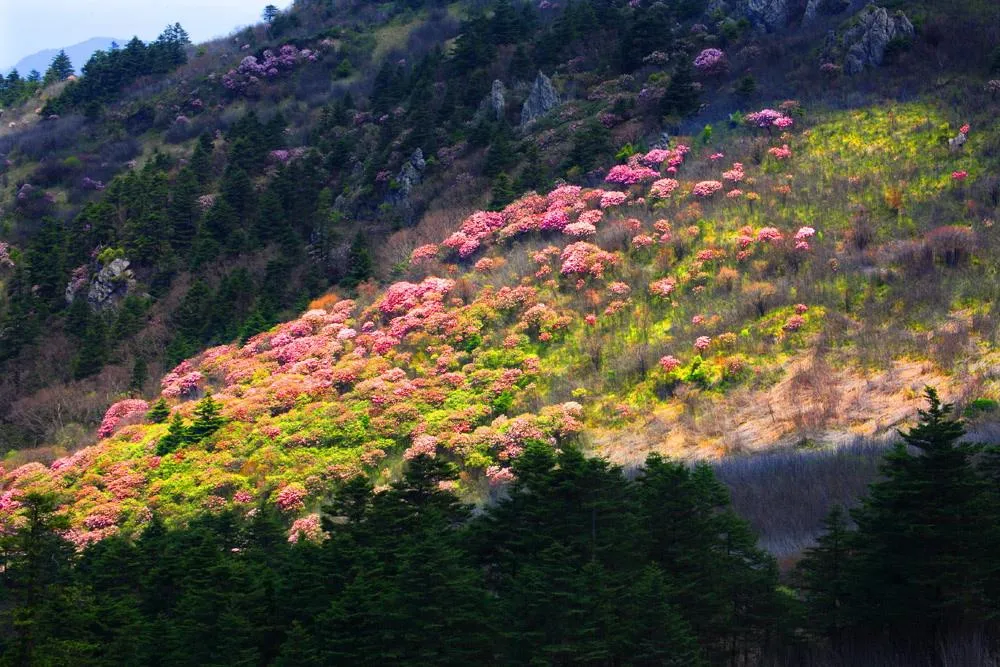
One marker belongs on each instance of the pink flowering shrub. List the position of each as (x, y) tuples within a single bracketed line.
[(702, 343), (498, 476), (307, 528), (642, 241), (580, 229), (782, 153), (959, 175), (423, 445), (663, 287), (794, 323), (555, 220), (769, 235), (292, 498), (252, 70), (663, 188), (119, 411), (670, 363), (711, 61), (767, 118), (586, 259), (628, 175), (736, 174), (613, 198), (706, 188)]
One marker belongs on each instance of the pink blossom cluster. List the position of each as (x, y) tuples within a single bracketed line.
[(405, 296), (628, 175), (702, 343), (554, 220), (586, 259), (736, 174), (498, 476), (670, 363), (959, 175), (286, 155), (619, 288), (611, 198), (642, 241), (663, 188), (710, 61), (423, 445), (474, 230), (424, 253), (308, 528), (580, 229), (706, 188), (251, 70), (794, 323), (780, 153), (291, 498), (181, 381), (663, 287), (802, 237), (119, 411), (9, 501), (766, 118), (769, 235)]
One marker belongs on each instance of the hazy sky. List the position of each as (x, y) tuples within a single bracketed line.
[(28, 26)]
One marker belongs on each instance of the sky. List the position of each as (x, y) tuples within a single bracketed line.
[(29, 26)]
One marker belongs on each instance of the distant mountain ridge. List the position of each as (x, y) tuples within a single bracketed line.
[(78, 54)]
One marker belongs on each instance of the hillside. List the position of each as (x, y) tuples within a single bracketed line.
[(745, 277), (589, 333), (78, 54)]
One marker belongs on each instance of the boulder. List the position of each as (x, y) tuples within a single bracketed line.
[(495, 104), (768, 15), (111, 285), (866, 42), (541, 100), (410, 174), (815, 9)]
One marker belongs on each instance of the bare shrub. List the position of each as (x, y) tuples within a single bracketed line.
[(952, 244)]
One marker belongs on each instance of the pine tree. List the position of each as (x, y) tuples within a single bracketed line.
[(140, 373), (59, 69), (207, 420), (920, 541), (502, 192), (681, 97), (270, 13), (93, 351), (359, 262), (159, 412), (825, 576), (175, 436)]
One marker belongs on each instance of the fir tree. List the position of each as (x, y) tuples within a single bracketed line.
[(175, 436), (207, 420), (681, 97), (825, 576), (159, 412), (59, 69)]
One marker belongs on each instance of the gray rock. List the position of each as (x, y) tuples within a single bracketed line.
[(866, 42), (768, 15), (410, 175), (495, 103), (541, 100), (111, 285), (815, 9)]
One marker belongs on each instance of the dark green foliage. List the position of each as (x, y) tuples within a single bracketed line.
[(681, 96), (826, 578), (59, 69), (207, 420), (359, 262), (502, 193), (159, 412), (175, 436), (93, 353)]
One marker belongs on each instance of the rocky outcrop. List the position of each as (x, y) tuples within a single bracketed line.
[(111, 285), (541, 100), (410, 174), (768, 15), (866, 42), (495, 104), (816, 9)]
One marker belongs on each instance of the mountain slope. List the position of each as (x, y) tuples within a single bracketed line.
[(78, 54)]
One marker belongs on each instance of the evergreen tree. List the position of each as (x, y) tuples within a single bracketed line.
[(681, 97), (270, 13), (175, 436), (825, 576), (502, 192), (359, 262), (60, 68), (93, 353), (140, 373), (159, 412), (920, 538), (207, 420)]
